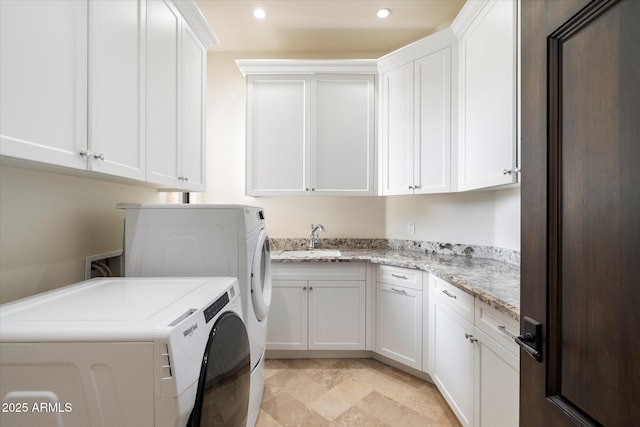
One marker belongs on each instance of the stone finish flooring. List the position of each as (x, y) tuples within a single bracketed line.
[(348, 392)]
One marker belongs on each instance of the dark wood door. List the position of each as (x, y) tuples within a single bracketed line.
[(581, 211)]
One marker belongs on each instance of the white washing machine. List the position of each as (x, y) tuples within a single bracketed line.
[(126, 352), (208, 240)]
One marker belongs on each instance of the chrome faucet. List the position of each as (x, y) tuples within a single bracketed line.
[(313, 239)]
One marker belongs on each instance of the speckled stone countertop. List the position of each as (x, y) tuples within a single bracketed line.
[(493, 282)]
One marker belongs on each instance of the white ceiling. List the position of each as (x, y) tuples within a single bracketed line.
[(317, 26)]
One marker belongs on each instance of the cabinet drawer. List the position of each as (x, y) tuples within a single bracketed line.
[(319, 271), (405, 277), (498, 326), (456, 299)]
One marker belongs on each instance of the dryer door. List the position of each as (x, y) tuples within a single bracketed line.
[(223, 388), (261, 277)]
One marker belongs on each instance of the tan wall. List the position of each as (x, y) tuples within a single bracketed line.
[(49, 224)]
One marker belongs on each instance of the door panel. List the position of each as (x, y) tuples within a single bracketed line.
[(580, 204)]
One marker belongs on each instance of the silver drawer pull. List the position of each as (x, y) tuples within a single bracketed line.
[(400, 291), (399, 276), (503, 329), (450, 295)]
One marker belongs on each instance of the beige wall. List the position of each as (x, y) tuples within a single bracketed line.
[(49, 224), (487, 218)]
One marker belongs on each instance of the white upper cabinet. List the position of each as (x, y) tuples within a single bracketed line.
[(397, 130), (310, 127), (106, 86), (488, 114), (277, 134), (43, 81), (116, 88), (416, 117), (176, 77), (163, 36), (342, 134), (432, 152), (192, 107)]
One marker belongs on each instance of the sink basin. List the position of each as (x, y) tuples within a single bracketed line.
[(315, 253)]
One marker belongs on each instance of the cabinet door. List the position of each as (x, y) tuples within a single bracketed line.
[(452, 360), (277, 135), (342, 135), (43, 81), (287, 325), (497, 384), (116, 87), (399, 324), (337, 315), (488, 131), (397, 131), (193, 62), (432, 154), (163, 30)]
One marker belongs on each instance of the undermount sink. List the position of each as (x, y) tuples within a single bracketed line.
[(314, 253)]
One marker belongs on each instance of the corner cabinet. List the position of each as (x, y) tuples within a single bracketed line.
[(114, 96), (317, 307), (310, 127), (488, 115), (416, 117)]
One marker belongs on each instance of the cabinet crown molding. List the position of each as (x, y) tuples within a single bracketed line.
[(418, 49), (307, 66), (465, 17), (197, 22)]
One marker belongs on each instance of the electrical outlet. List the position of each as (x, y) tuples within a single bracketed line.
[(411, 227)]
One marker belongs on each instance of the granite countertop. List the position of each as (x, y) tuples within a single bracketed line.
[(493, 282)]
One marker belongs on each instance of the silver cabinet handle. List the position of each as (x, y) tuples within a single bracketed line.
[(470, 338), (99, 156), (399, 276), (183, 178), (304, 288), (507, 171), (86, 153), (310, 288), (186, 179), (400, 291), (503, 329), (450, 295), (411, 187)]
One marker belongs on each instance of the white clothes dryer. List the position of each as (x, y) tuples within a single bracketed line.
[(208, 240), (126, 352)]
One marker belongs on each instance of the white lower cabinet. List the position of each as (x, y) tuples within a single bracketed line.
[(399, 315), (473, 359), (315, 307), (497, 384), (452, 366)]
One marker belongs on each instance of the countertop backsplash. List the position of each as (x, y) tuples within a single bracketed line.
[(470, 251)]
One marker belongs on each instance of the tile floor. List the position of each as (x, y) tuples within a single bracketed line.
[(348, 392)]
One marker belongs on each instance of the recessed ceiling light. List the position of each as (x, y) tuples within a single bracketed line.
[(259, 14), (383, 13)]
